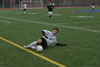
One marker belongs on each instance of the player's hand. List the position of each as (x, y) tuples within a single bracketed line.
[(63, 44), (58, 44)]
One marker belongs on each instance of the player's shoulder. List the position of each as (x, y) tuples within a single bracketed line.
[(47, 31), (25, 4), (44, 30), (49, 5)]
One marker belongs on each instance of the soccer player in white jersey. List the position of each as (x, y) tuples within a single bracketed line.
[(24, 8), (47, 39)]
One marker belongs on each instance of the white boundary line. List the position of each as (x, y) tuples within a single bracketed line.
[(5, 21), (49, 24), (82, 22), (81, 16), (53, 14), (90, 26), (32, 13), (19, 12), (22, 13)]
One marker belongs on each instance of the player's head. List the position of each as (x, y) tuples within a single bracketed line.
[(55, 30), (49, 1)]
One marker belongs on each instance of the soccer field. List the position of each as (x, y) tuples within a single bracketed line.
[(80, 30)]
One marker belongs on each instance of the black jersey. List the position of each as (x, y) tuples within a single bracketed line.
[(50, 7), (93, 4)]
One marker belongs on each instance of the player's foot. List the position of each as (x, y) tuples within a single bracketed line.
[(49, 16), (26, 47), (24, 12), (92, 8)]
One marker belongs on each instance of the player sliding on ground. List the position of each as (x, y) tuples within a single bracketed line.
[(47, 39)]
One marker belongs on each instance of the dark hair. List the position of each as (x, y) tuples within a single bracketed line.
[(56, 29)]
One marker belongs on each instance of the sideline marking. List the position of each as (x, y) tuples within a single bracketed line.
[(32, 13), (5, 21), (81, 16), (34, 53), (49, 24), (53, 14)]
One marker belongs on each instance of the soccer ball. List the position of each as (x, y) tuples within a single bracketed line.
[(39, 48)]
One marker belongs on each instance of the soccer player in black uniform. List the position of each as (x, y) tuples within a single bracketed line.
[(50, 10), (93, 5)]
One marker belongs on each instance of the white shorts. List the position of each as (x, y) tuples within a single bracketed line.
[(92, 6), (50, 13)]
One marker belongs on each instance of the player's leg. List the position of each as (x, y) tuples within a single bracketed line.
[(41, 42), (93, 7), (50, 14), (44, 43), (34, 44), (24, 11), (31, 44)]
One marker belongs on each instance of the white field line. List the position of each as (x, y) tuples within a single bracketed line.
[(5, 21), (18, 12), (82, 17), (6, 11), (76, 22), (32, 13), (56, 25), (85, 22), (22, 13), (90, 26), (53, 14)]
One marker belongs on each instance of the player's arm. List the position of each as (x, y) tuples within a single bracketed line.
[(59, 44), (47, 6), (44, 34), (53, 6)]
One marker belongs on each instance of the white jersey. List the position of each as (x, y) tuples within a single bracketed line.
[(25, 6), (51, 38)]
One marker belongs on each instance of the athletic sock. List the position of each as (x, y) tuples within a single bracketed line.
[(49, 16), (33, 47), (33, 44), (24, 12), (92, 8)]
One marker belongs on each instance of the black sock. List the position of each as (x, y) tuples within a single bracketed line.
[(92, 8), (49, 16)]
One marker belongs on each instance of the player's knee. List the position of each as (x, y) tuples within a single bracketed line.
[(39, 41)]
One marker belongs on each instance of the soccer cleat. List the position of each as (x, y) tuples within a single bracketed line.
[(50, 16)]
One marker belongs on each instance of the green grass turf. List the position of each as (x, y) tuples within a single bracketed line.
[(83, 46)]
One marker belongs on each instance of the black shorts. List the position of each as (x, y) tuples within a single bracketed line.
[(44, 43), (24, 9)]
